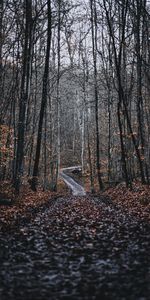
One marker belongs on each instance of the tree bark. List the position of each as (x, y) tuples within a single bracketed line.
[(1, 44), (94, 41), (24, 97), (34, 180)]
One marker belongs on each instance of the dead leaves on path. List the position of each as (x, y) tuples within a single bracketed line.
[(135, 202), (87, 246)]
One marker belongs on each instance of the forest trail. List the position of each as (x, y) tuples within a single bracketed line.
[(77, 189), (76, 248)]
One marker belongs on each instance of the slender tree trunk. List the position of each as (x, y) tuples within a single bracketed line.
[(94, 41), (90, 156), (1, 45), (109, 136), (58, 93), (45, 153), (24, 97), (83, 139), (140, 108), (123, 153), (43, 102)]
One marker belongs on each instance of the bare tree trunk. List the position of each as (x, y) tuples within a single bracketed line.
[(83, 139), (140, 108), (58, 93), (34, 121), (109, 136), (24, 97), (45, 153), (94, 41), (123, 153), (43, 102), (1, 45)]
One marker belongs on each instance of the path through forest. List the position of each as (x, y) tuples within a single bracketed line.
[(76, 248), (77, 189)]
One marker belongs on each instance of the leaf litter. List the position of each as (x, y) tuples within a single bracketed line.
[(74, 248)]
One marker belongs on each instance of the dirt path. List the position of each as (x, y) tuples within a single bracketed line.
[(76, 248), (77, 189)]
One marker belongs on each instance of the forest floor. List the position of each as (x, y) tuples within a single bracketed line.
[(59, 246)]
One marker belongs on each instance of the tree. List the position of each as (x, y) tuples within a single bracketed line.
[(122, 103), (1, 44), (94, 52), (44, 100), (25, 81)]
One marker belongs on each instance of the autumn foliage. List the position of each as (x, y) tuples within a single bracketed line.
[(6, 144)]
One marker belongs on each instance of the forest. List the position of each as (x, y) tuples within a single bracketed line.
[(74, 149), (75, 88)]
